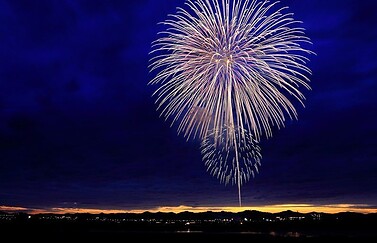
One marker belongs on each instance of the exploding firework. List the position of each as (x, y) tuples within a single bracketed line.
[(227, 69)]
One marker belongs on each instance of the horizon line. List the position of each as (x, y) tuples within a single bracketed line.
[(276, 208)]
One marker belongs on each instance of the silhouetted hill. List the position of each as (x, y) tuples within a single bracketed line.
[(209, 215)]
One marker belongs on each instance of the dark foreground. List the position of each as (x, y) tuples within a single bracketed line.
[(68, 232), (189, 227)]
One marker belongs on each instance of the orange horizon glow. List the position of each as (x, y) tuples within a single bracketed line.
[(302, 208)]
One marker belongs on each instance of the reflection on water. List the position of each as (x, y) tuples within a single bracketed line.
[(289, 234), (293, 234), (188, 231)]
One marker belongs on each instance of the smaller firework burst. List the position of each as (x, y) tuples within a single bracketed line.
[(234, 163)]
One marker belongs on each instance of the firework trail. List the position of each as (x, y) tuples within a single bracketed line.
[(226, 70)]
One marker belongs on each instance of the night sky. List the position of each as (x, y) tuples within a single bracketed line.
[(79, 128)]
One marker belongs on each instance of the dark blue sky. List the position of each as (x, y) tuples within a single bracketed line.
[(78, 126)]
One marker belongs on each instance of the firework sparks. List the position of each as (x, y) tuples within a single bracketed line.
[(227, 69)]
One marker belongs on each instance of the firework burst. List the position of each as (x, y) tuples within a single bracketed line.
[(227, 69)]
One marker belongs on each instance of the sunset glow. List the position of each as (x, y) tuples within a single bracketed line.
[(302, 208)]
